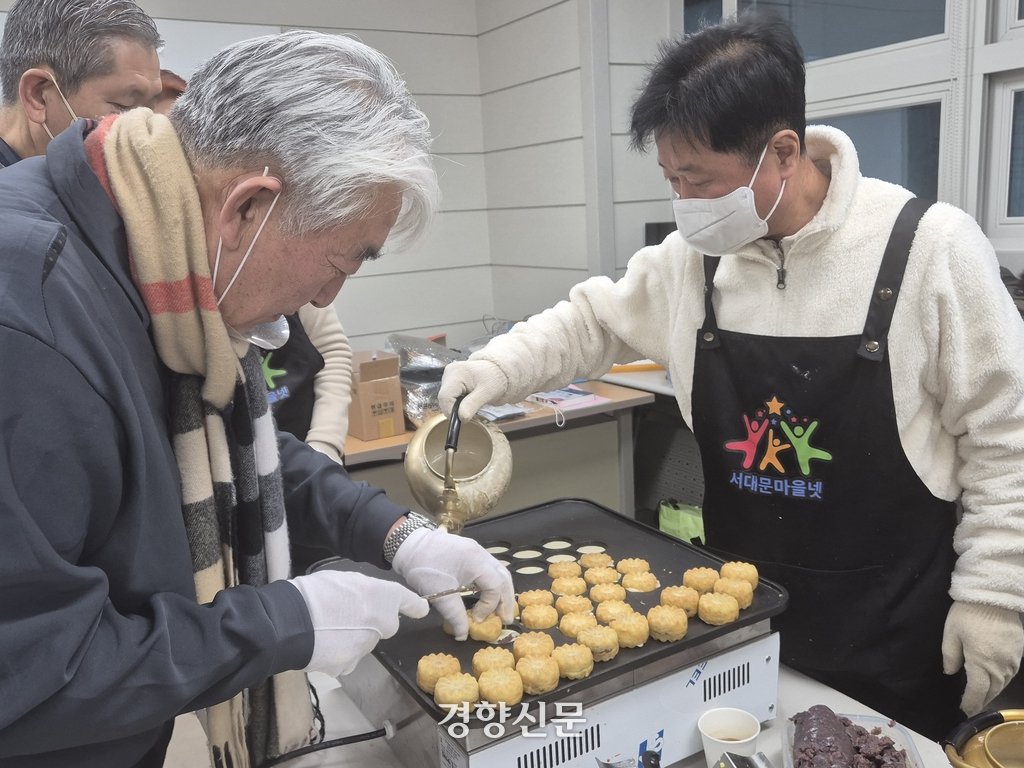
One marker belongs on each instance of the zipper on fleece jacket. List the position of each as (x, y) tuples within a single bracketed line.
[(780, 269)]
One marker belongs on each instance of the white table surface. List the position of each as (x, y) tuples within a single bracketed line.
[(650, 381), (796, 693)]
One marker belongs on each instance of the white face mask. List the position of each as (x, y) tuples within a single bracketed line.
[(272, 334), (70, 110), (721, 225)]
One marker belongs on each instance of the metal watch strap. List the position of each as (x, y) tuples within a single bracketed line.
[(413, 522)]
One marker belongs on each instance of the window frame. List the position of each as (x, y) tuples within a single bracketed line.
[(1006, 25), (731, 7), (1006, 232), (914, 96)]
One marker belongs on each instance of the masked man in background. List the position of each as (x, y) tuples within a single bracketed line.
[(61, 59)]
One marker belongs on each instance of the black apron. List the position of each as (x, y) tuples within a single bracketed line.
[(805, 477), (289, 373)]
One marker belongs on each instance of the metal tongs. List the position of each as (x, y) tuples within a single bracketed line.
[(462, 590), (452, 517)]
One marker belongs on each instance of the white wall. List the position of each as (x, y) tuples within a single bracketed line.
[(640, 193), (565, 198), (530, 86)]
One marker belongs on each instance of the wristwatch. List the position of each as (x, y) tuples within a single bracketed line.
[(413, 521)]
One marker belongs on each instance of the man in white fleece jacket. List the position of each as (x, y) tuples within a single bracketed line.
[(843, 402)]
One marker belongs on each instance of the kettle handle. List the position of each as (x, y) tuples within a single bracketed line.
[(454, 425), (960, 735)]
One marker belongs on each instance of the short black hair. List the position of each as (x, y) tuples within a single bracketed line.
[(729, 87)]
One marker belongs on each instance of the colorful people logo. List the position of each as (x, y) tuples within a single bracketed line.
[(780, 430)]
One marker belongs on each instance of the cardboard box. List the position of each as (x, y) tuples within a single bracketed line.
[(377, 407)]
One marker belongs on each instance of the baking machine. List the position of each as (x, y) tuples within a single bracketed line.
[(644, 701)]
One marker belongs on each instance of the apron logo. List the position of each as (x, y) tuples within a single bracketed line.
[(270, 374), (275, 393), (779, 440)]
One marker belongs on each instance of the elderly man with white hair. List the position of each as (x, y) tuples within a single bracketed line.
[(146, 501)]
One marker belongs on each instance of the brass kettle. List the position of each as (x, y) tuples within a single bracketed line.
[(992, 739), (457, 470)]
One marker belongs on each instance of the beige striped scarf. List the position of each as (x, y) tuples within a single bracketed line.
[(227, 456)]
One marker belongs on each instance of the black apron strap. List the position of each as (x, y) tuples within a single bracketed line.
[(707, 338), (890, 278)]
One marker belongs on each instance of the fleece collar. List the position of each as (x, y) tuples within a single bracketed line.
[(833, 152)]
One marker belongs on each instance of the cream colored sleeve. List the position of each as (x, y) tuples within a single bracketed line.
[(332, 386), (975, 372)]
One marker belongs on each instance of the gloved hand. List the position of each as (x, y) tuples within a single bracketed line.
[(481, 381), (350, 613), (431, 561), (988, 642)]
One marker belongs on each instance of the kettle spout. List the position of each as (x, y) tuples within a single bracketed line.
[(451, 523)]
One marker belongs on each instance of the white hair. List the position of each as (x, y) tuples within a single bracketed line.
[(326, 112)]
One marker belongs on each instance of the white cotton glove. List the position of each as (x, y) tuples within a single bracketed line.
[(350, 613), (481, 381), (988, 643), (431, 561)]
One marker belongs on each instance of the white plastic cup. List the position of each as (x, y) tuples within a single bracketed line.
[(727, 730)]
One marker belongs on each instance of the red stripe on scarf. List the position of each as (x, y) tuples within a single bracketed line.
[(179, 296), (94, 154)]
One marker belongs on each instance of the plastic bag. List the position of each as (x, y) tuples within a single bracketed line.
[(421, 364), (684, 521)]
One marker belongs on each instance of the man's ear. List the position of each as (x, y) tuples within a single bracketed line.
[(245, 207), (31, 92), (786, 146)]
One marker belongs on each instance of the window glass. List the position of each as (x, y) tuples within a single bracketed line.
[(834, 27), (697, 13), (1015, 204), (1020, 10), (898, 145)]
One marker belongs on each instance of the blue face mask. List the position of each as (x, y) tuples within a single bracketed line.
[(272, 334)]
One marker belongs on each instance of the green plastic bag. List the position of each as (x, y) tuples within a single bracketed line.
[(684, 521)]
